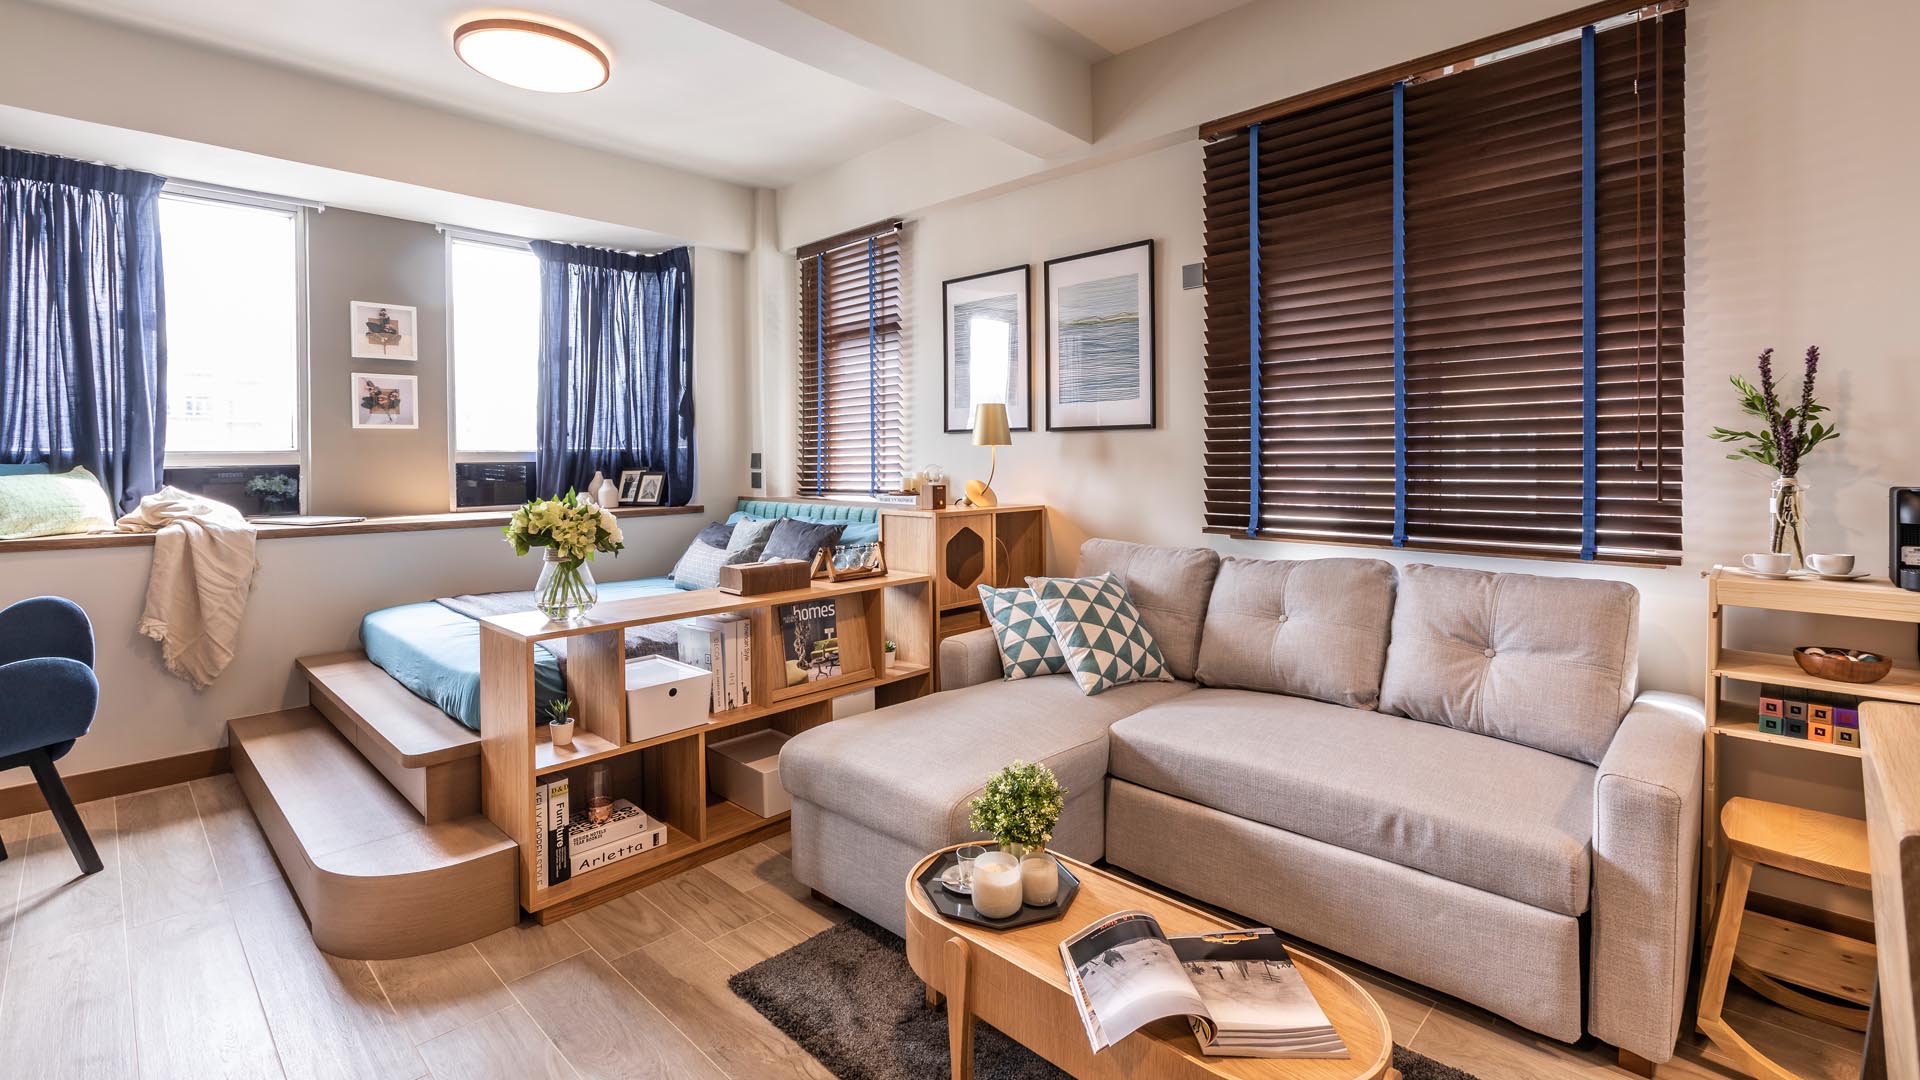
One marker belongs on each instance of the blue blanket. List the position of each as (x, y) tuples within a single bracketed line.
[(434, 651)]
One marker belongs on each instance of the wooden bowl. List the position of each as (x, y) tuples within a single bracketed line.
[(1842, 665)]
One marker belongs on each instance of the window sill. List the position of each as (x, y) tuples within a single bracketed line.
[(482, 519)]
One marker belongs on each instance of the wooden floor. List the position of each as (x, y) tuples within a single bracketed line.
[(187, 957)]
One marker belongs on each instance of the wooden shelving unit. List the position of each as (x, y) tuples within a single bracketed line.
[(666, 775), (962, 548), (1871, 598)]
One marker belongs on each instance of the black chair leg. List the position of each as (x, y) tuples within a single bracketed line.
[(61, 804)]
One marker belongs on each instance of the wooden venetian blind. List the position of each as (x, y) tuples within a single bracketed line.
[(852, 390), (1464, 293)]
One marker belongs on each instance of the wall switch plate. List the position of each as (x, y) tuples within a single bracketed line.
[(1190, 276)]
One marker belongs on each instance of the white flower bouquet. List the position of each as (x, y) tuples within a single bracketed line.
[(572, 531)]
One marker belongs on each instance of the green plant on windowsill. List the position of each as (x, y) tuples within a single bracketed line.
[(1019, 807), (274, 490)]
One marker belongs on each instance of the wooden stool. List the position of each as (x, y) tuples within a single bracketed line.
[(1805, 842)]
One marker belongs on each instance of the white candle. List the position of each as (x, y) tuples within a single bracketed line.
[(997, 888), (1039, 879)]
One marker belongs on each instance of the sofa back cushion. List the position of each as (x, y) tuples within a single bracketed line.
[(1169, 586), (1548, 662), (1314, 628)]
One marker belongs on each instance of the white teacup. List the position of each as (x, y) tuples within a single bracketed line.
[(1767, 562), (1830, 564)]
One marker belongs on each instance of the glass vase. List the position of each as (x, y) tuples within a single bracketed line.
[(1787, 514), (565, 589)]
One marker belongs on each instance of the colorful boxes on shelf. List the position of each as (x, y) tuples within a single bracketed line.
[(1813, 715)]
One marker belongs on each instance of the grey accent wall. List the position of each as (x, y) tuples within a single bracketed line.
[(353, 256)]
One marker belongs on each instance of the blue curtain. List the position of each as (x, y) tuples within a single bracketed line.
[(83, 355), (616, 367)]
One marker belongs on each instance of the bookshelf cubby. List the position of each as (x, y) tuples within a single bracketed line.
[(666, 775)]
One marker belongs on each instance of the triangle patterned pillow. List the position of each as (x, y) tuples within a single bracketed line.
[(1027, 645), (1100, 632)]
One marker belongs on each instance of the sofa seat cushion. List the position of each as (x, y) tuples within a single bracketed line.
[(1480, 812), (909, 770)]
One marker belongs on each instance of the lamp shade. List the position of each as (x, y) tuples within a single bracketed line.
[(990, 424)]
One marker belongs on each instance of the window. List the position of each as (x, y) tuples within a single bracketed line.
[(1464, 289), (851, 381), (494, 293), (233, 329)]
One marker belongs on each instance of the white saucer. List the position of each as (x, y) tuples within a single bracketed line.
[(950, 880), (1763, 575), (1855, 576)]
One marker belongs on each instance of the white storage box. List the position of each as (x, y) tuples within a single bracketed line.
[(664, 696), (746, 770)]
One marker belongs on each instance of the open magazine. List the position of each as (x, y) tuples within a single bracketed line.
[(1238, 988)]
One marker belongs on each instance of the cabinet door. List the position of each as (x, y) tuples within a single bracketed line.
[(965, 557)]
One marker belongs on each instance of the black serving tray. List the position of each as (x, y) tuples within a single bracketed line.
[(960, 908)]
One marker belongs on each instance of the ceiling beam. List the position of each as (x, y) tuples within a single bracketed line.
[(989, 65)]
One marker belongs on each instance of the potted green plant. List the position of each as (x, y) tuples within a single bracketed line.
[(278, 493), (1019, 807), (1785, 438), (572, 531), (893, 650), (560, 721)]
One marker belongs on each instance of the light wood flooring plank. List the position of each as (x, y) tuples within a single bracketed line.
[(506, 1045), (15, 833), (765, 876), (803, 911), (781, 842), (529, 946), (240, 849), (606, 1029), (67, 1011), (621, 925), (329, 1018), (166, 867), (749, 868), (688, 982), (438, 992), (56, 899), (196, 1013), (757, 941), (703, 904)]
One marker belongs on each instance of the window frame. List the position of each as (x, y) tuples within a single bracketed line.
[(451, 235), (806, 352), (301, 454)]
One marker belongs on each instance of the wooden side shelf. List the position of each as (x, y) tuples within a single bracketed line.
[(666, 774)]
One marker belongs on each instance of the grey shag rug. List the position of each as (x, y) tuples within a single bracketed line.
[(849, 998)]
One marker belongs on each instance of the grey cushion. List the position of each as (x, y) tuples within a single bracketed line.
[(1315, 628), (1484, 813), (1169, 585), (909, 770), (750, 536), (719, 534), (700, 567), (1549, 662), (796, 539)]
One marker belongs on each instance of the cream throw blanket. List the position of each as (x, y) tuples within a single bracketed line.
[(203, 564)]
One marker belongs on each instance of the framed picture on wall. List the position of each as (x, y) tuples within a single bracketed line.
[(384, 331), (386, 402), (989, 345), (1099, 332)]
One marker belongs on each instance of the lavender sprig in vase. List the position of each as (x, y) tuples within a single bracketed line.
[(1785, 438)]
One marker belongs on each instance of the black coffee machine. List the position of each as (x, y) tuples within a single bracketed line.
[(1905, 556)]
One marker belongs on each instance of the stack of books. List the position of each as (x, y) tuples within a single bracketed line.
[(565, 845), (723, 644)]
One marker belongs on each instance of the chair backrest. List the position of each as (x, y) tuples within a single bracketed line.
[(1890, 739), (45, 626)]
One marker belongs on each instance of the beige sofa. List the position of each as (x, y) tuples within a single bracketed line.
[(1444, 773)]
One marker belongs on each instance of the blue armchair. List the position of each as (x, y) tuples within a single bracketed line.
[(47, 698)]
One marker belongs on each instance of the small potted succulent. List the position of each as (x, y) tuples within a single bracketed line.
[(1019, 808), (893, 652), (560, 722)]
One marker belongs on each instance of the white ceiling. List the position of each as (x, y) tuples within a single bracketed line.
[(1119, 25), (682, 93)]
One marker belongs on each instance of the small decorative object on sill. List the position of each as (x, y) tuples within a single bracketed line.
[(560, 727), (758, 579), (850, 562), (606, 493), (1842, 665), (1019, 807), (571, 532), (1787, 435), (592, 494), (932, 496)]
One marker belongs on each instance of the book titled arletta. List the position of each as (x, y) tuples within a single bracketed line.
[(810, 640), (1237, 988)]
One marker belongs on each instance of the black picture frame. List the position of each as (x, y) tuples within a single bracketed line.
[(1023, 355), (653, 489), (1149, 359)]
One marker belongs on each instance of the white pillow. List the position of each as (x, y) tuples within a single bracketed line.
[(53, 505)]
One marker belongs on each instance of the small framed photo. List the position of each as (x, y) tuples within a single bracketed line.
[(384, 331), (639, 487), (387, 402)]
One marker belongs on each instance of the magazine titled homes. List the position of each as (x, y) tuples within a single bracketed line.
[(1238, 988)]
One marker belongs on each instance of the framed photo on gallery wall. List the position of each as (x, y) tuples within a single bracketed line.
[(386, 402), (989, 345), (1099, 331), (384, 331)]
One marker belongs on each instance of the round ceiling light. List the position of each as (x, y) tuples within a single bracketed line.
[(531, 55)]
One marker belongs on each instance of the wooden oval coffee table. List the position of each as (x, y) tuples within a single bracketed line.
[(1013, 979)]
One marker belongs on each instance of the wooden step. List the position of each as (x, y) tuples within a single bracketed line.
[(377, 882), (429, 757)]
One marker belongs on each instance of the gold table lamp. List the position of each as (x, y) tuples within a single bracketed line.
[(989, 429)]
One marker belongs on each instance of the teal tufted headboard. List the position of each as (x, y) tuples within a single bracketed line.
[(807, 511)]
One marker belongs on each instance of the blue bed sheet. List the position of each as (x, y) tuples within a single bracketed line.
[(434, 651)]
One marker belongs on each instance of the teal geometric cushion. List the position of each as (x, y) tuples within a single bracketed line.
[(1100, 632), (1027, 645)]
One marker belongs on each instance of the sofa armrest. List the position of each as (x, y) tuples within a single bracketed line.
[(970, 659), (1646, 857)]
